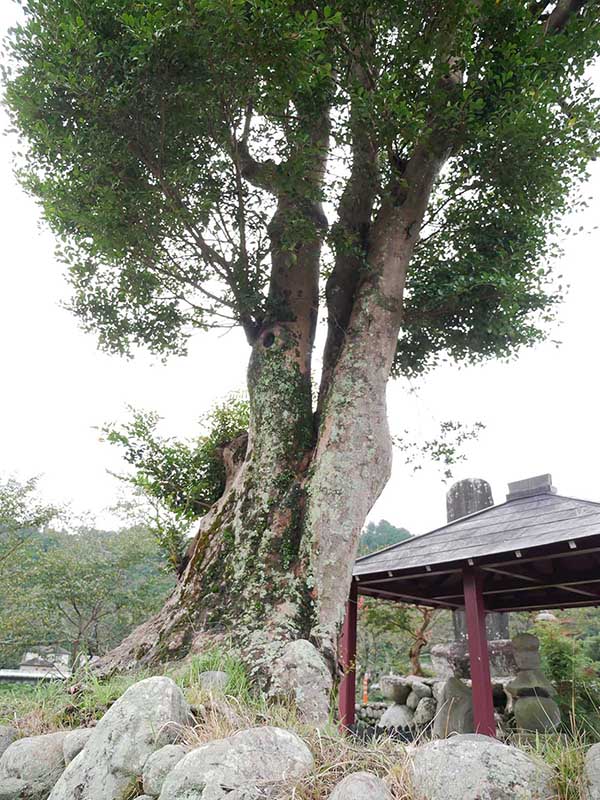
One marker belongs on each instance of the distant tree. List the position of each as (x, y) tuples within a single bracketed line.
[(22, 513), (375, 536), (84, 590), (184, 153)]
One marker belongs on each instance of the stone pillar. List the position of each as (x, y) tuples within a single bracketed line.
[(463, 498)]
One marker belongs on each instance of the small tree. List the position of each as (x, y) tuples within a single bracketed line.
[(401, 625), (183, 154)]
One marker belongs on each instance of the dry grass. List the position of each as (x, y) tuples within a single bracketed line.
[(335, 756), (48, 707)]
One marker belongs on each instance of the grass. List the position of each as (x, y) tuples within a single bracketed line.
[(53, 706), (335, 756)]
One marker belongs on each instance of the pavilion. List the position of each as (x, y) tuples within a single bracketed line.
[(538, 550)]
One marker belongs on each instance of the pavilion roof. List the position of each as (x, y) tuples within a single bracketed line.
[(532, 548), (514, 525)]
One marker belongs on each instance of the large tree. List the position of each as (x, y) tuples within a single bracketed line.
[(398, 165)]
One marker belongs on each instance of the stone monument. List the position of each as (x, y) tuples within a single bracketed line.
[(463, 498), (532, 693)]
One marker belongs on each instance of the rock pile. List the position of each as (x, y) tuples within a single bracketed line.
[(139, 746), (370, 713), (412, 706)]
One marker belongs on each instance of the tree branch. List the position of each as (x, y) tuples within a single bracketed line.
[(562, 13)]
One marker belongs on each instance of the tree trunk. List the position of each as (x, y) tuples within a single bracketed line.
[(273, 559)]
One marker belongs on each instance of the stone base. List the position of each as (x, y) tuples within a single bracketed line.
[(452, 660)]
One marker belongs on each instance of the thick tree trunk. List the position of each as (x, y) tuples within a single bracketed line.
[(272, 561), (247, 574)]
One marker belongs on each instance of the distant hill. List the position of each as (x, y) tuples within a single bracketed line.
[(383, 534)]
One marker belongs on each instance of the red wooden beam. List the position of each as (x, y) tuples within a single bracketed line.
[(483, 703), (347, 647)]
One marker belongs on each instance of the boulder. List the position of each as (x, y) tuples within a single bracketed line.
[(253, 763), (412, 701), (361, 786), (395, 688), (142, 720), (36, 760), (8, 734), (16, 789), (302, 674), (397, 716), (158, 766), (420, 689), (425, 712), (592, 773), (455, 710), (213, 680), (475, 767), (74, 743)]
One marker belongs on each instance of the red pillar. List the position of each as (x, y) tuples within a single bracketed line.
[(347, 691), (483, 703)]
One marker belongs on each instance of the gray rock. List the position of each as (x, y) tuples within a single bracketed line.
[(532, 693), (451, 659), (526, 649), (16, 789), (213, 680), (395, 688), (158, 766), (420, 689), (437, 689), (425, 712), (36, 760), (257, 762), (302, 674), (528, 680), (144, 719), (592, 773), (536, 714), (8, 734), (74, 743), (475, 767), (361, 786), (455, 710), (397, 716), (412, 701)]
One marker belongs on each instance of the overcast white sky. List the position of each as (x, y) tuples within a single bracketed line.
[(541, 411)]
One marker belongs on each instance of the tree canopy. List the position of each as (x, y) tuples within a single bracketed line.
[(381, 534), (210, 163), (160, 135)]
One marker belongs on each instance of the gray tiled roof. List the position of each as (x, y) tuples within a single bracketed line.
[(518, 524)]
